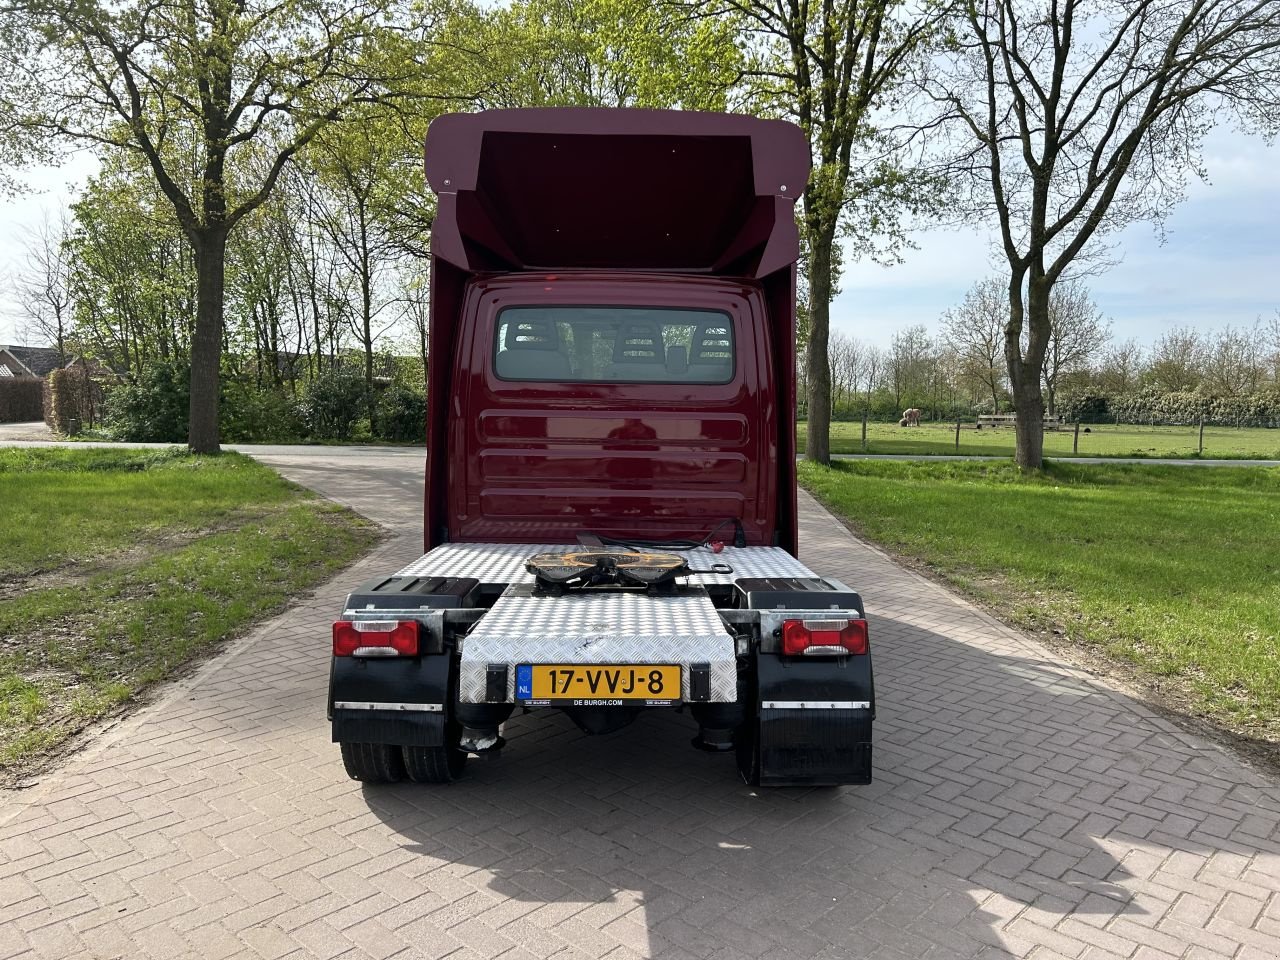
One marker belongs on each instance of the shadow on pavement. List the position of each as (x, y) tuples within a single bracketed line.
[(1002, 783)]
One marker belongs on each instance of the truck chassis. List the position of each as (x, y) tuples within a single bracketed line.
[(490, 643)]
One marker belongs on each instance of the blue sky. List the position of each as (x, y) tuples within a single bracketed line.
[(1219, 265)]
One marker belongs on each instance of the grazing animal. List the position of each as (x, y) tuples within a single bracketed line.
[(902, 422), (910, 417)]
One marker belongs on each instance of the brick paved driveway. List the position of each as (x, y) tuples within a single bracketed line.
[(1020, 809)]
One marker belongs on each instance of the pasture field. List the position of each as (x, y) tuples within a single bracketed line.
[(1168, 577), (119, 567), (1102, 440)]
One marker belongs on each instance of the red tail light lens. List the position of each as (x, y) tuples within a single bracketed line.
[(824, 638), (375, 638)]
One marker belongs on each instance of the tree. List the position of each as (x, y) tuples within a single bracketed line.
[(19, 143), (847, 358), (415, 306), (1076, 333), (832, 67), (592, 53), (1074, 118), (43, 288), (1271, 347), (195, 88), (1120, 367), (1234, 362), (875, 363), (132, 270), (1178, 360), (356, 166), (975, 331), (910, 366)]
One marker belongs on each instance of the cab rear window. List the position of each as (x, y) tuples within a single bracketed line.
[(583, 344)]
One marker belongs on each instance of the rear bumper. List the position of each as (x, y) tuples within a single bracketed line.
[(682, 628), (708, 674)]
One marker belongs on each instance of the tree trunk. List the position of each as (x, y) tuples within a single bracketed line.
[(366, 306), (817, 444), (206, 341), (1025, 372), (1029, 426)]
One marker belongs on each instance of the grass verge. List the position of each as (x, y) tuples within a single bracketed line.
[(118, 567), (1167, 576), (1102, 440)]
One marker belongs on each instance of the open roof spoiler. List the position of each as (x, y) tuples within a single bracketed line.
[(566, 188)]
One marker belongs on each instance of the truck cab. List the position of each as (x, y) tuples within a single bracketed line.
[(610, 509)]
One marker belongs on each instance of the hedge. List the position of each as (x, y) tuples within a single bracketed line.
[(1260, 409), (21, 399), (73, 400)]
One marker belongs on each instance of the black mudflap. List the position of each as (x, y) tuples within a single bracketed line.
[(817, 747), (813, 720), (415, 689)]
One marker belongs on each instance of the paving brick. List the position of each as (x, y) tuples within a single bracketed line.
[(1021, 809)]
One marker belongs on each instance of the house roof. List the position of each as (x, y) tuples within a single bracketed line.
[(37, 361)]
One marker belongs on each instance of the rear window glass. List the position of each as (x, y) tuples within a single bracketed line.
[(614, 345)]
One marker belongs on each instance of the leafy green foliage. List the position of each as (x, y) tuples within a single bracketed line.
[(153, 407), (402, 414), (249, 413), (1084, 408), (333, 402), (131, 269), (594, 53)]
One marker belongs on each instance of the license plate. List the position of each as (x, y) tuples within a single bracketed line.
[(583, 684)]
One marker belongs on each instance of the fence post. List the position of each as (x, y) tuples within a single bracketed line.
[(864, 429), (957, 436), (1201, 450), (1075, 441)]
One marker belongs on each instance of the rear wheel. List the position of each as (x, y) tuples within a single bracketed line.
[(441, 764), (373, 762), (434, 764)]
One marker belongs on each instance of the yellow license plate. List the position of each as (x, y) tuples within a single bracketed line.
[(654, 685)]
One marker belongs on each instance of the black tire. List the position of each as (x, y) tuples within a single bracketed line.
[(434, 764), (373, 762)]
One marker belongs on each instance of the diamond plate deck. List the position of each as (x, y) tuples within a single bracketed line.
[(599, 628), (503, 563)]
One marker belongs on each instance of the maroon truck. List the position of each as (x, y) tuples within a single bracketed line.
[(611, 494)]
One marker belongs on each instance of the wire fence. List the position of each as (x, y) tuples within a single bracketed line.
[(987, 436)]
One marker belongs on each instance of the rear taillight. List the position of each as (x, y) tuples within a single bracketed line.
[(824, 638), (375, 638)]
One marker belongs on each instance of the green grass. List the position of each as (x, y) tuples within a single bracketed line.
[(1102, 440), (118, 567), (1173, 574)]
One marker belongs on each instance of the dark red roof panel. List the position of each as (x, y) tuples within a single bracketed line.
[(568, 188)]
